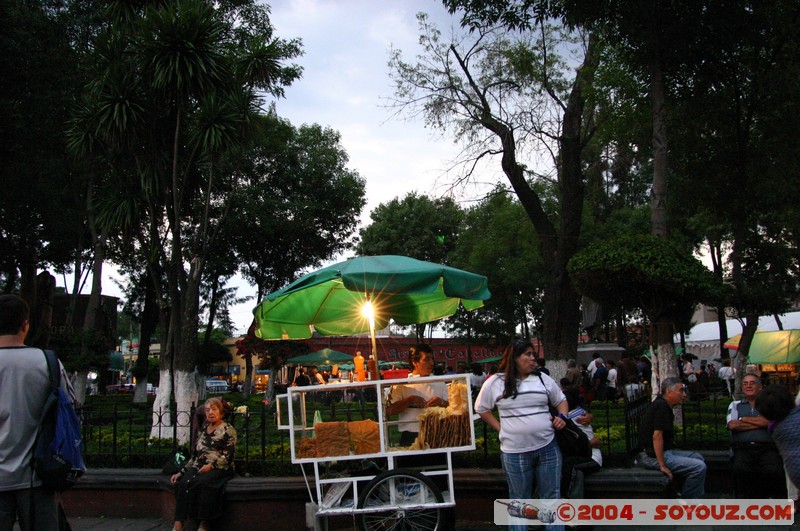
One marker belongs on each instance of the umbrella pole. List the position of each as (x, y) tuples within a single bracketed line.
[(374, 341), (369, 312)]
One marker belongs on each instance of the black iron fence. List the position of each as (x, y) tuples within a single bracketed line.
[(134, 436)]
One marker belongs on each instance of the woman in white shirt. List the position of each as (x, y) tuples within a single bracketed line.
[(528, 450)]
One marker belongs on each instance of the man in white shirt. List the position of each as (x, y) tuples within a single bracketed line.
[(24, 387), (593, 364), (611, 382)]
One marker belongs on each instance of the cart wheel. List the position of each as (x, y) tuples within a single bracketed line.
[(393, 489)]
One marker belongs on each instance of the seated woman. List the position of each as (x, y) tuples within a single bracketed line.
[(199, 484)]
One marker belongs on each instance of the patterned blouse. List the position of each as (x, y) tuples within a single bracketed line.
[(216, 448)]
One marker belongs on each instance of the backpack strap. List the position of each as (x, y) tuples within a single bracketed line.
[(53, 371), (54, 376)]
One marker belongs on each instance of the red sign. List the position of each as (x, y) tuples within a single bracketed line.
[(448, 351)]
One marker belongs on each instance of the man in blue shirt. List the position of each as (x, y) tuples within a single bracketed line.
[(757, 465)]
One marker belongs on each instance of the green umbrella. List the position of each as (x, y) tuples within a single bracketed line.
[(325, 356), (330, 301), (781, 346)]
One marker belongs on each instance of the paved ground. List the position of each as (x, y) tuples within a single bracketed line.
[(129, 524), (118, 524)]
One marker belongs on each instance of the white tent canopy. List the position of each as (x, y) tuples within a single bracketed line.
[(709, 332)]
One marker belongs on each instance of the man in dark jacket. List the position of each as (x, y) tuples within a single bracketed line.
[(600, 379)]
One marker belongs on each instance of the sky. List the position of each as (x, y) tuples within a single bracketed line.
[(346, 86)]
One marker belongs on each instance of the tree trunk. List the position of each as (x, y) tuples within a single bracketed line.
[(658, 208), (557, 245), (248, 375), (667, 364), (90, 317), (658, 195), (162, 411), (27, 291), (43, 310), (186, 389), (150, 317), (212, 310), (740, 361)]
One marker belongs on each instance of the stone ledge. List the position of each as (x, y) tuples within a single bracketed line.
[(266, 502), (294, 487)]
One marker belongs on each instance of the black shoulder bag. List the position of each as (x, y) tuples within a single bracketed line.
[(572, 440)]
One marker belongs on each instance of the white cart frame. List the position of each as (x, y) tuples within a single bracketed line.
[(398, 491)]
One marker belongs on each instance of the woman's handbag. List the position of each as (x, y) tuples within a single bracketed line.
[(572, 440), (174, 464)]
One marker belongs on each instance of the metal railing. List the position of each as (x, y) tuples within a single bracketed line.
[(120, 436)]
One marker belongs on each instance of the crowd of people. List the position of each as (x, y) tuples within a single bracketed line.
[(518, 399), (764, 426)]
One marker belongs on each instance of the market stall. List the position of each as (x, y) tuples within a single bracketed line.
[(360, 468), (777, 354), (399, 488)]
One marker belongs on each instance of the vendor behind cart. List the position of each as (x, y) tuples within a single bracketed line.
[(406, 400)]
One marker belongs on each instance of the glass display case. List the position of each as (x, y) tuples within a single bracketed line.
[(357, 427)]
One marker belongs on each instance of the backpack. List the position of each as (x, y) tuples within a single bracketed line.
[(57, 458)]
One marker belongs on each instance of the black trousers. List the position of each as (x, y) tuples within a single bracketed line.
[(572, 471), (17, 504), (758, 471), (200, 496)]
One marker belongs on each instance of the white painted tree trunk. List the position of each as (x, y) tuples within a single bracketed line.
[(140, 393), (186, 396), (79, 386), (557, 368), (162, 420)]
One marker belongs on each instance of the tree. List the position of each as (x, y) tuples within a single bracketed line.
[(731, 165), (416, 226), (495, 241), (40, 80), (508, 94), (646, 272), (178, 90), (300, 204)]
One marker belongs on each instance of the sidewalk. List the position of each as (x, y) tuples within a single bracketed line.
[(118, 524), (134, 524)]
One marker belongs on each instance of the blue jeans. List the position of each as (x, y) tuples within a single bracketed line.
[(683, 464), (539, 468)]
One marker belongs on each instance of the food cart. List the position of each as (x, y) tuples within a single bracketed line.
[(359, 467)]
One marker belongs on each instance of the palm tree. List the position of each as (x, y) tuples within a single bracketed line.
[(184, 118)]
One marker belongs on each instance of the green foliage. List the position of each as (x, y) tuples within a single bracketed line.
[(415, 226), (41, 208), (297, 189), (644, 272), (498, 240), (68, 347)]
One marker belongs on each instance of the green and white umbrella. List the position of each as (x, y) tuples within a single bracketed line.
[(348, 297)]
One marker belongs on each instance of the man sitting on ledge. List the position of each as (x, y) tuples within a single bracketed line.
[(757, 465), (657, 436)]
